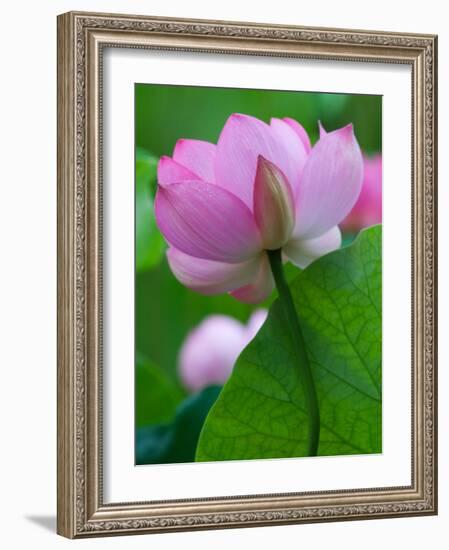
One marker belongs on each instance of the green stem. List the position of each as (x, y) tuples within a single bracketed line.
[(294, 328)]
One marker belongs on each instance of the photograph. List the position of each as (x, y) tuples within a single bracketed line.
[(258, 274), (221, 300), (247, 284), (223, 322)]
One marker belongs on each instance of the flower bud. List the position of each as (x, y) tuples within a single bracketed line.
[(274, 205)]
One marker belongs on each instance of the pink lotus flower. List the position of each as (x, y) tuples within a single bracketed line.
[(367, 210), (211, 349), (262, 187)]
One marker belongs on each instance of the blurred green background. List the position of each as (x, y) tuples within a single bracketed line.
[(166, 113), (165, 311)]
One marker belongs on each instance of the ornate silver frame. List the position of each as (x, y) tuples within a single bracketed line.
[(81, 39)]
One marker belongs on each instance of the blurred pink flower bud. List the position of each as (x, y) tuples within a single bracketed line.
[(367, 210), (211, 349)]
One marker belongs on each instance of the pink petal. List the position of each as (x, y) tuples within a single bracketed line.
[(170, 171), (260, 289), (205, 221), (367, 210), (293, 145), (304, 252), (210, 351), (241, 141), (211, 277), (322, 130), (330, 183), (198, 156), (300, 132), (274, 205)]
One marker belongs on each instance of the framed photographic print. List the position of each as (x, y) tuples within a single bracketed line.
[(246, 274)]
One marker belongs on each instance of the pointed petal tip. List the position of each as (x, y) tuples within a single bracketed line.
[(179, 143), (163, 160), (349, 128), (321, 129), (262, 161), (238, 116), (263, 164), (243, 118), (197, 156), (265, 168), (347, 131)]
